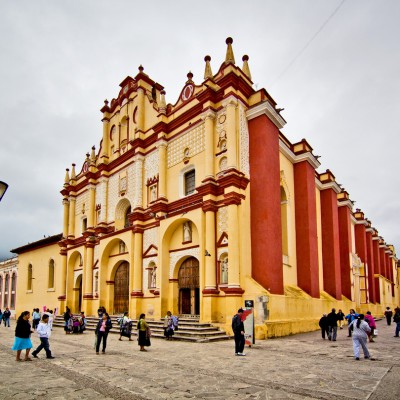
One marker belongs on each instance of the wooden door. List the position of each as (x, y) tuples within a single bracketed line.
[(188, 283), (121, 289)]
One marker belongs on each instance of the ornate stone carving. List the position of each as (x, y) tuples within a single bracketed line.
[(222, 220), (192, 139), (177, 255), (151, 167), (150, 236), (244, 141), (81, 199)]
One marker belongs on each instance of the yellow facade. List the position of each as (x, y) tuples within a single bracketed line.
[(162, 216)]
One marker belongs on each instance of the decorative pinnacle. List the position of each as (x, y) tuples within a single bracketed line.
[(163, 104), (73, 174), (66, 180), (230, 58), (245, 67), (207, 72), (106, 102), (141, 69), (190, 75)]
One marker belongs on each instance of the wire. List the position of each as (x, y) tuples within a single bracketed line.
[(307, 44)]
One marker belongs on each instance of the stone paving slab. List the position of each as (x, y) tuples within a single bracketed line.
[(297, 367)]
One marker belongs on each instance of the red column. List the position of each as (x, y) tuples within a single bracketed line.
[(330, 243), (383, 261), (345, 249), (371, 268), (306, 228), (265, 203), (377, 269)]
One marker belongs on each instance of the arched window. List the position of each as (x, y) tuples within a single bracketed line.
[(6, 287), (51, 275), (29, 282), (189, 182), (127, 212), (13, 290), (284, 222)]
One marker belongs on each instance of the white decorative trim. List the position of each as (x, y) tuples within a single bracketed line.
[(329, 185), (244, 141), (177, 255), (267, 109), (347, 203), (286, 151)]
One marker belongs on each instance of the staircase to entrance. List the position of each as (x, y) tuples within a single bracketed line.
[(190, 328)]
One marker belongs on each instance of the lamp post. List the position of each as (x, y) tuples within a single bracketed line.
[(3, 189)]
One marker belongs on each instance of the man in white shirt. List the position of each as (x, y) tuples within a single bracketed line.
[(44, 332)]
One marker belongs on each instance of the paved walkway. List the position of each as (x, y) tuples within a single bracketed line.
[(297, 367)]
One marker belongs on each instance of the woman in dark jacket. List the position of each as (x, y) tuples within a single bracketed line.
[(101, 332), (22, 339)]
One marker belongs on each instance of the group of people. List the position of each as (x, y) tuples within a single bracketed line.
[(5, 317), (23, 333), (74, 323), (37, 316), (396, 319), (125, 325), (361, 328), (171, 323)]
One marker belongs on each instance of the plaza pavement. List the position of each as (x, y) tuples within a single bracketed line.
[(296, 367)]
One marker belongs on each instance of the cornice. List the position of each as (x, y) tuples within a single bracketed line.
[(267, 109), (328, 185)]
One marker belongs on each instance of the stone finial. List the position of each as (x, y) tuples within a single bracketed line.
[(245, 67), (66, 180), (207, 72), (230, 58), (106, 102), (141, 69), (93, 156), (190, 77), (73, 174), (163, 105)]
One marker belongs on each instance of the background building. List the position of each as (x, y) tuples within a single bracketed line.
[(197, 206), (8, 284)]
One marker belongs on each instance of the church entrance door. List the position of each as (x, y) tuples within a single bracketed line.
[(121, 289), (189, 291)]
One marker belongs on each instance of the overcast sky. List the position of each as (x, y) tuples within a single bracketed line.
[(61, 59)]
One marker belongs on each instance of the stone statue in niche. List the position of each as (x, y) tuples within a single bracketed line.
[(153, 193), (224, 270), (153, 277), (187, 231)]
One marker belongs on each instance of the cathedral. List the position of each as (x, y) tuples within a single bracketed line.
[(198, 206)]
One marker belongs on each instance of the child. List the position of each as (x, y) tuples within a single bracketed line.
[(44, 331)]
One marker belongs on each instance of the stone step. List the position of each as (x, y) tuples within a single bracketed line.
[(189, 329)]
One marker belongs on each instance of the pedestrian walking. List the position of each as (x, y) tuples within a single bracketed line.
[(370, 320), (238, 331), (360, 330), (388, 315), (396, 320), (6, 317), (350, 318), (35, 318), (125, 328), (168, 326), (143, 333), (340, 315), (332, 323), (44, 332), (323, 324), (101, 332), (22, 339)]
